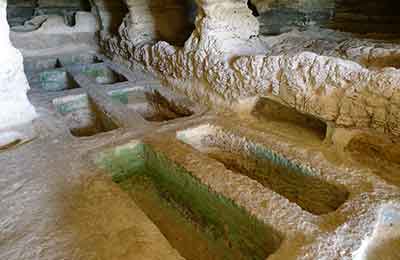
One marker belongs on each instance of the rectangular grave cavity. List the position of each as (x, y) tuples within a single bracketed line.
[(268, 110), (292, 180), (102, 74), (83, 116), (209, 226), (153, 104)]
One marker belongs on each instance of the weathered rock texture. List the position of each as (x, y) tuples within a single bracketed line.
[(224, 62), (15, 107)]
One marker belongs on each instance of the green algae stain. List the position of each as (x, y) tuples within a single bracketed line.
[(53, 80), (220, 218), (125, 163), (81, 102), (121, 96), (267, 154)]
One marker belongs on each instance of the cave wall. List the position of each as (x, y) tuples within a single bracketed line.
[(367, 16), (15, 107), (158, 20), (279, 16), (359, 16), (220, 60), (224, 63), (224, 23)]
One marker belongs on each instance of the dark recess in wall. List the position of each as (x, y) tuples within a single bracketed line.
[(367, 16), (283, 16), (175, 23), (116, 11), (358, 16), (253, 9), (190, 9)]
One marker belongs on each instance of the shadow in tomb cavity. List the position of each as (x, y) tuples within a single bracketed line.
[(174, 22), (269, 111), (82, 116), (379, 152), (152, 104), (296, 182)]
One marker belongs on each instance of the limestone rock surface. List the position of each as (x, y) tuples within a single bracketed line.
[(16, 109)]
